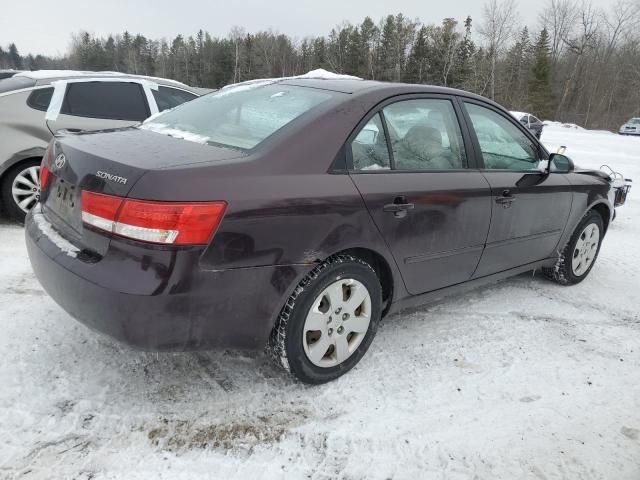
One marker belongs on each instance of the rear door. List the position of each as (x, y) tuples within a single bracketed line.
[(529, 208), (97, 105), (409, 161)]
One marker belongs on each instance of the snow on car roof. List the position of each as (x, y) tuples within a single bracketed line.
[(519, 115), (46, 74)]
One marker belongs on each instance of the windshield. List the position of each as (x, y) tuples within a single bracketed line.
[(240, 116), (634, 121)]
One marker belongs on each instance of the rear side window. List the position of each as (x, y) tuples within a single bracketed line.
[(241, 116), (369, 149), (40, 98), (108, 100), (167, 97)]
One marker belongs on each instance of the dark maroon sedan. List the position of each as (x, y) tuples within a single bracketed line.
[(295, 213)]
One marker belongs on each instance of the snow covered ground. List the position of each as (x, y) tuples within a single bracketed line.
[(521, 380)]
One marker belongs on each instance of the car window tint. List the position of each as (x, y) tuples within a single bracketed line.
[(503, 145), (167, 97), (369, 149), (40, 98), (241, 116), (108, 100), (425, 135)]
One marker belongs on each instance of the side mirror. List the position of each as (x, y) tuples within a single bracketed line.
[(559, 163)]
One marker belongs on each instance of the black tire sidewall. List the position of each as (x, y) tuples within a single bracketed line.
[(10, 207), (591, 217), (299, 364)]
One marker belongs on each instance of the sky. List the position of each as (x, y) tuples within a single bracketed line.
[(46, 26)]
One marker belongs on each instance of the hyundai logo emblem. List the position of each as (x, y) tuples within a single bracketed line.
[(60, 161)]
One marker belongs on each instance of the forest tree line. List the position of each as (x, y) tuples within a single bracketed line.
[(579, 63)]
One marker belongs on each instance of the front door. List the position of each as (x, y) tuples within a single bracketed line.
[(409, 163), (529, 208)]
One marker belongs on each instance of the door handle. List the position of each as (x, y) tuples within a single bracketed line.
[(399, 207), (506, 199)]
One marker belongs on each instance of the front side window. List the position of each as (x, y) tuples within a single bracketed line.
[(534, 119), (425, 135), (241, 116), (108, 100), (168, 97), (503, 145), (369, 149)]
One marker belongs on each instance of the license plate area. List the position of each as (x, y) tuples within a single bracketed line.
[(64, 200)]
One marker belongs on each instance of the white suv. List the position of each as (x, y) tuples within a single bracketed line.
[(36, 105)]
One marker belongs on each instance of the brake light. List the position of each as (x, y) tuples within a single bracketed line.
[(44, 170), (173, 223), (44, 177)]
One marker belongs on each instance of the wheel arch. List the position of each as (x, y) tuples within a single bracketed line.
[(382, 268), (604, 210), (35, 153)]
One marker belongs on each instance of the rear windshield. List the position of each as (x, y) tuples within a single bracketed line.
[(239, 117), (16, 83)]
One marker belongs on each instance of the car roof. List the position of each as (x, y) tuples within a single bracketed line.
[(47, 76), (354, 86)]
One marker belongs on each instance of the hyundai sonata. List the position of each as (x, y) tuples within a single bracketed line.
[(295, 213)]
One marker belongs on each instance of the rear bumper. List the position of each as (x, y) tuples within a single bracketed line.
[(159, 299)]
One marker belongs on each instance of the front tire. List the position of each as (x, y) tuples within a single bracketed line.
[(579, 254), (21, 189), (329, 322)]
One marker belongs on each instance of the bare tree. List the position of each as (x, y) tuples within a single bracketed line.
[(559, 18), (584, 40), (236, 35), (498, 27)]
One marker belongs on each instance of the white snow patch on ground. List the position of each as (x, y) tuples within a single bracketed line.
[(521, 380)]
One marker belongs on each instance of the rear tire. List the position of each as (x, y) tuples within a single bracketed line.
[(579, 254), (328, 323), (18, 186)]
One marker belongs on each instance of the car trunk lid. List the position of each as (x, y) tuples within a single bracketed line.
[(108, 163)]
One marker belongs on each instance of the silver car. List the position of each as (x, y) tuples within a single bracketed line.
[(36, 105), (632, 127)]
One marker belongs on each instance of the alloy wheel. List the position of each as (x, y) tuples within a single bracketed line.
[(25, 188)]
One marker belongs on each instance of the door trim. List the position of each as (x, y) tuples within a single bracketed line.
[(509, 241), (443, 254)]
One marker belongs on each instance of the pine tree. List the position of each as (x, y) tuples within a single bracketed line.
[(14, 57), (540, 91)]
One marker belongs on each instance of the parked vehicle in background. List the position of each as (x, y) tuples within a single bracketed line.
[(8, 73), (295, 213), (82, 101), (632, 127), (529, 121)]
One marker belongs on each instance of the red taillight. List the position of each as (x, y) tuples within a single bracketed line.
[(156, 222), (45, 173), (44, 177)]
